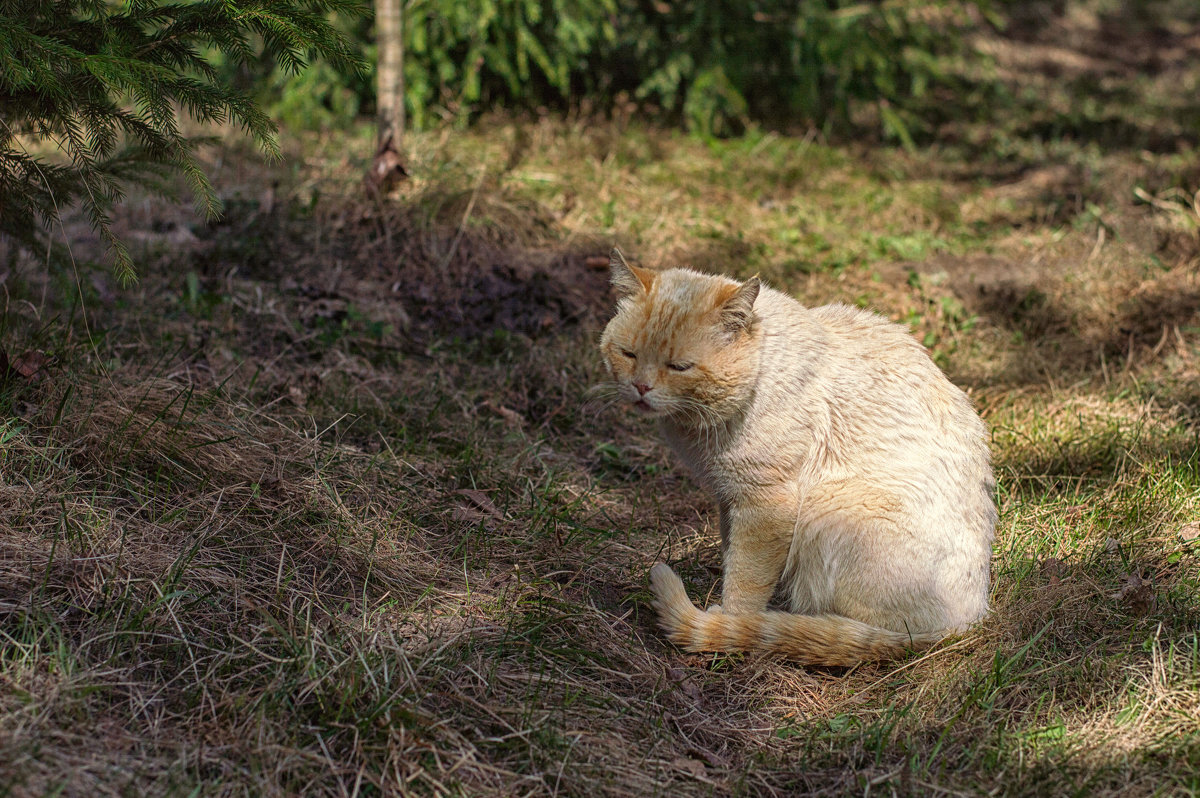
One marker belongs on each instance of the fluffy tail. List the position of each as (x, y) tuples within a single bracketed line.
[(807, 639)]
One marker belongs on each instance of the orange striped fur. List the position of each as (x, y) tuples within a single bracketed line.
[(811, 639)]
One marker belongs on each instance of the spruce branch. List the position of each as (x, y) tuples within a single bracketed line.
[(107, 85)]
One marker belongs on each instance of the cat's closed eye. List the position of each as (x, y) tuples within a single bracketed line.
[(628, 354), (679, 366)]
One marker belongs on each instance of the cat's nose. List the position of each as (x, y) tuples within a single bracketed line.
[(642, 388)]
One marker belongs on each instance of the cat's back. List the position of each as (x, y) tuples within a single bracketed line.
[(848, 394), (831, 338), (869, 338), (853, 375)]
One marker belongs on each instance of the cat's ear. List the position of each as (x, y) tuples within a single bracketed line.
[(737, 311), (628, 280)]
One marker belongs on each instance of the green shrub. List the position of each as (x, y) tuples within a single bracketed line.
[(723, 62), (501, 52), (711, 65)]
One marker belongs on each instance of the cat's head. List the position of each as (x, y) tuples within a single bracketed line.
[(682, 344)]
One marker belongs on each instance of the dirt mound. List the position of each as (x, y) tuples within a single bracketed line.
[(408, 266), (479, 291)]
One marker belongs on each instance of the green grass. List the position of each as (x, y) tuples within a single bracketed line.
[(324, 504)]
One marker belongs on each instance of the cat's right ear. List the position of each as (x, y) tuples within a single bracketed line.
[(628, 280), (737, 311)]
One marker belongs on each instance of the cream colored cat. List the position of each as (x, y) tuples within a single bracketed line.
[(851, 475)]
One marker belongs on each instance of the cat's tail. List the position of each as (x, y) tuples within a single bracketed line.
[(807, 639)]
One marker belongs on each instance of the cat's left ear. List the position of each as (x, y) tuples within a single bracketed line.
[(628, 280), (738, 310)]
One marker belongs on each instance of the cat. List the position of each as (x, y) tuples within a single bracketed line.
[(849, 472)]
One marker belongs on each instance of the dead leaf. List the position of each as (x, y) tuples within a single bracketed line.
[(692, 766), (482, 502), (513, 418), (1190, 533), (1054, 569), (29, 365), (468, 515), (1137, 595)]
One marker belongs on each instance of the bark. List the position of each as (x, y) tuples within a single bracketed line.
[(387, 169), (389, 36)]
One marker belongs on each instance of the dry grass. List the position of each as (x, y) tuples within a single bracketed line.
[(322, 506)]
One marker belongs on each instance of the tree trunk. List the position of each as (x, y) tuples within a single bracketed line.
[(387, 169), (389, 38)]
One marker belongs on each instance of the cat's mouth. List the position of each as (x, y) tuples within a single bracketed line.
[(644, 407)]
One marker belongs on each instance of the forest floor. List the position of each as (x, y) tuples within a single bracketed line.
[(323, 504)]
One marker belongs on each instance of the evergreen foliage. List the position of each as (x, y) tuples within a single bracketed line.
[(105, 86)]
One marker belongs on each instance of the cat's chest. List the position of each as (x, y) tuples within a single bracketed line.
[(735, 468)]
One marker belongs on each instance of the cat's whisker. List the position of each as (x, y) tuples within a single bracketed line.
[(706, 417), (600, 404), (602, 389), (601, 397)]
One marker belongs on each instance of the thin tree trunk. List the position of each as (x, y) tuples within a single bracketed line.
[(387, 169), (389, 38)]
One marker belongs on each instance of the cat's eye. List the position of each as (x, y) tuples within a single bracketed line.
[(628, 354), (679, 366)]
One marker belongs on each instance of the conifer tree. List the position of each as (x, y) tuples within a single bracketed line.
[(104, 85)]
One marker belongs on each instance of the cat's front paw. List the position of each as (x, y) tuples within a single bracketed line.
[(715, 609)]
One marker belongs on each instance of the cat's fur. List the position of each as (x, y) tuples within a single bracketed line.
[(849, 472)]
